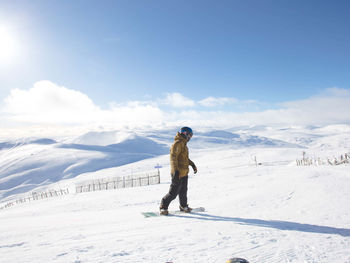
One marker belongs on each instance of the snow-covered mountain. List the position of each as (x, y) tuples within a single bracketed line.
[(30, 163), (272, 212)]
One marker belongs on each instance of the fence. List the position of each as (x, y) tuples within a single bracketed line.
[(94, 185), (37, 196), (306, 161), (118, 182)]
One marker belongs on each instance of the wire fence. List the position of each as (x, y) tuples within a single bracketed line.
[(118, 182), (307, 161), (36, 196), (89, 186)]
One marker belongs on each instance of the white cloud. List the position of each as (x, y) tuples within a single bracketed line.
[(214, 102), (332, 98), (51, 105), (48, 102), (133, 114), (328, 107), (178, 100)]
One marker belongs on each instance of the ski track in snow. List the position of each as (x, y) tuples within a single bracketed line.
[(276, 212)]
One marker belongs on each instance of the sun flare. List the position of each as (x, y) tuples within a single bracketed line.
[(8, 46)]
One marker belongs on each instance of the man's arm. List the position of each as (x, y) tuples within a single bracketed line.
[(193, 166), (174, 160)]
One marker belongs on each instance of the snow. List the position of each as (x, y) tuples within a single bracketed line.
[(273, 212)]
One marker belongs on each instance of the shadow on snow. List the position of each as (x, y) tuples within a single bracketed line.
[(277, 224)]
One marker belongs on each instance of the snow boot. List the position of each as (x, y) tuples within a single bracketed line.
[(163, 211), (185, 209)]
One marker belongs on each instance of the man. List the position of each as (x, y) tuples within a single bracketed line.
[(179, 162)]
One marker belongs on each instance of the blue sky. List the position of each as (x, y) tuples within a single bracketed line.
[(261, 51)]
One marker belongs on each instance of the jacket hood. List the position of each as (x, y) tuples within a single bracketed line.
[(179, 137)]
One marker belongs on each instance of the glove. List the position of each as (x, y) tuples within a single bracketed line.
[(194, 168)]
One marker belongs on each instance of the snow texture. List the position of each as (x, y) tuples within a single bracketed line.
[(272, 212)]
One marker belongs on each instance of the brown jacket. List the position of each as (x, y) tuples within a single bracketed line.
[(179, 160)]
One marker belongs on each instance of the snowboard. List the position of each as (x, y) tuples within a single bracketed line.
[(154, 214)]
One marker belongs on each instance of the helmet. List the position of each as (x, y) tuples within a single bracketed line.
[(187, 132)]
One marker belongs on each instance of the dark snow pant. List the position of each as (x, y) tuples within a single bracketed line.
[(178, 187)]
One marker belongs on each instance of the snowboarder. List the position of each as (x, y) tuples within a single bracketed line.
[(179, 162)]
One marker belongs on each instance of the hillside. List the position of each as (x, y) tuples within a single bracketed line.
[(274, 212)]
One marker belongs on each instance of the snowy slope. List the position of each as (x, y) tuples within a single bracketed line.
[(28, 163), (275, 212), (25, 166)]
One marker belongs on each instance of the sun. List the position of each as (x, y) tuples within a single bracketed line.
[(8, 46)]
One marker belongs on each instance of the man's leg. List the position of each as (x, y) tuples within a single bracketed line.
[(183, 191), (173, 192)]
